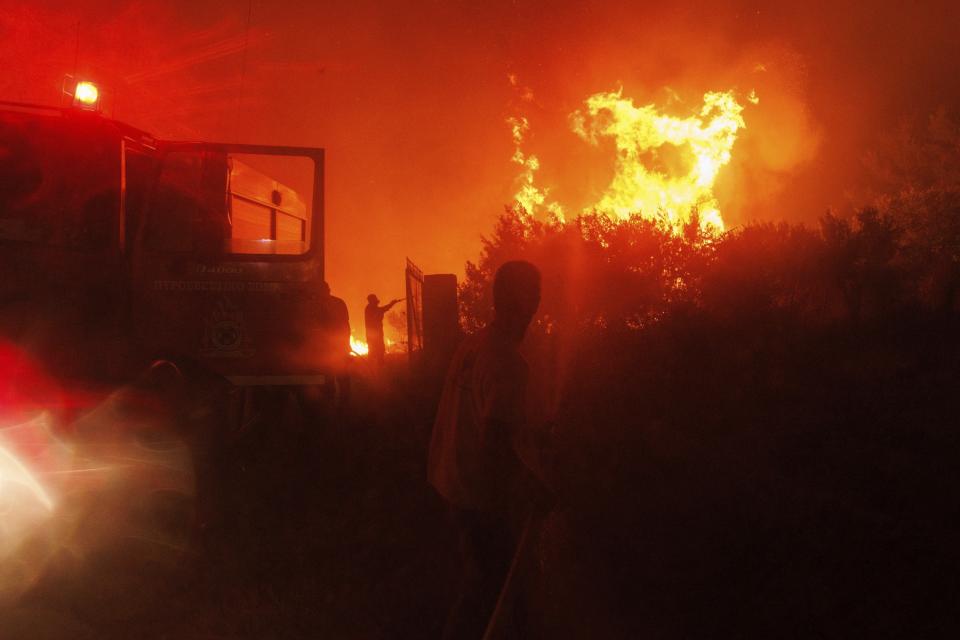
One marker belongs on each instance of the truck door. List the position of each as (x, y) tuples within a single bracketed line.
[(61, 263), (228, 259)]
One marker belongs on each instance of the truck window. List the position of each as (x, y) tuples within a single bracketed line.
[(59, 182), (187, 203), (231, 204)]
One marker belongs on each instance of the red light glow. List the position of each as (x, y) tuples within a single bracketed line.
[(86, 94)]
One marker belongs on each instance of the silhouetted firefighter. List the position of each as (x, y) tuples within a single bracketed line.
[(373, 319), (477, 460), (335, 320)]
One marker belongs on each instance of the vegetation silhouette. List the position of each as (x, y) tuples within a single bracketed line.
[(756, 430)]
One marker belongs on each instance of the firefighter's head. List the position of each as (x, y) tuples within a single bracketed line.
[(516, 296), (373, 299)]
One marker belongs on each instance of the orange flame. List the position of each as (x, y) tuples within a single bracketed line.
[(529, 196), (358, 347), (665, 167)]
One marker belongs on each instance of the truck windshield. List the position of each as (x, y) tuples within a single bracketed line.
[(59, 182)]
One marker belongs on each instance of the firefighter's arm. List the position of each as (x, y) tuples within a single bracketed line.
[(390, 304)]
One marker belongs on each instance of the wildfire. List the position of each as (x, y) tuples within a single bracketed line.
[(529, 196), (665, 167)]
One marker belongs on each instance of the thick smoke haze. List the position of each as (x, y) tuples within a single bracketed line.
[(411, 99)]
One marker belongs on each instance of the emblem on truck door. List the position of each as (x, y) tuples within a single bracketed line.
[(224, 334)]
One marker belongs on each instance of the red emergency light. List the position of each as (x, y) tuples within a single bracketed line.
[(86, 95)]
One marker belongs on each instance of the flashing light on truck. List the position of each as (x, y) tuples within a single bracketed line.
[(86, 95)]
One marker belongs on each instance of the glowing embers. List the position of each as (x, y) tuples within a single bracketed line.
[(358, 347), (86, 95)]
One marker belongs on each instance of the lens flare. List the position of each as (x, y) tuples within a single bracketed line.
[(119, 472), (14, 474), (26, 505)]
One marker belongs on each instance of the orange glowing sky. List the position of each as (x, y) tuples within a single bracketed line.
[(411, 100)]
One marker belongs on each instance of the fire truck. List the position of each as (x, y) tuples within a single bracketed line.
[(121, 252)]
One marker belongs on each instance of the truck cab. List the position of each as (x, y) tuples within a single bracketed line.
[(118, 249)]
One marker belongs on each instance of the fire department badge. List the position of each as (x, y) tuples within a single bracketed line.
[(224, 335)]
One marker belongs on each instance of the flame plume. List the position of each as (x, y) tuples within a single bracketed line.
[(530, 197), (665, 167), (644, 136)]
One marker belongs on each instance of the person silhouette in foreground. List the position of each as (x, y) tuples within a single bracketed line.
[(335, 323), (477, 458), (373, 319)]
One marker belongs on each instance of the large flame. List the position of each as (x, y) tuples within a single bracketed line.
[(665, 167)]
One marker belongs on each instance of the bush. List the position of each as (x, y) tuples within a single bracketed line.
[(754, 428)]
